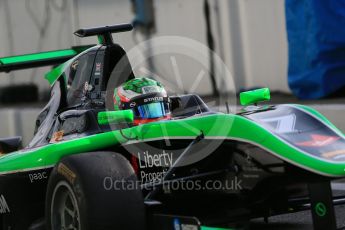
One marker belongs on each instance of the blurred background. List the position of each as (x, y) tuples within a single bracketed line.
[(252, 37)]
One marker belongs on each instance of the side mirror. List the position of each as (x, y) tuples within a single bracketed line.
[(111, 117), (255, 96)]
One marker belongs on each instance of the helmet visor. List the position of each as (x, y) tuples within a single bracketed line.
[(152, 110)]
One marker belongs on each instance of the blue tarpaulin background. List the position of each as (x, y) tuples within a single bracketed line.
[(316, 37)]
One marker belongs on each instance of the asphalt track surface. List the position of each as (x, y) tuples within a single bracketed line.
[(301, 220)]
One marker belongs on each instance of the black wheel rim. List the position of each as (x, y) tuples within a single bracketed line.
[(65, 213)]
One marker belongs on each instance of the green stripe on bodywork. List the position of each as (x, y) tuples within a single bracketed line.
[(45, 58), (52, 153), (38, 56), (213, 126)]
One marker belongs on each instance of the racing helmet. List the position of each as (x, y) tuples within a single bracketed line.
[(146, 97)]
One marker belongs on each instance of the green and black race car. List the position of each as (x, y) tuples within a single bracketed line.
[(89, 167)]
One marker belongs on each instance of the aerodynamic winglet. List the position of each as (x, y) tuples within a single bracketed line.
[(104, 29), (34, 60), (104, 33)]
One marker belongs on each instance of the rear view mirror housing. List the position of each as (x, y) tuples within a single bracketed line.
[(255, 96), (113, 117)]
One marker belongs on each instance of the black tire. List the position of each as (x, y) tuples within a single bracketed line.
[(83, 182)]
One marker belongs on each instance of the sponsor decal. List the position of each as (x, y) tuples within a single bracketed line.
[(98, 68), (320, 209), (150, 99), (66, 172), (37, 176), (3, 205), (147, 161), (318, 141), (152, 177)]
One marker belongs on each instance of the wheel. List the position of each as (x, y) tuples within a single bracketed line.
[(65, 212), (81, 196)]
